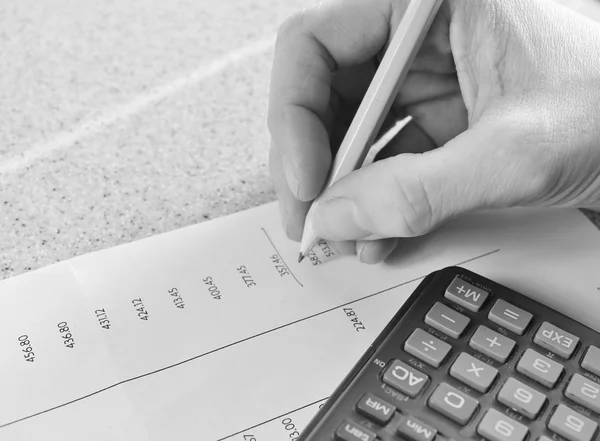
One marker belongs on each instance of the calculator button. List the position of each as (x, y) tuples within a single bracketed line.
[(473, 372), (453, 403), (492, 344), (465, 294), (556, 340), (447, 320), (376, 409), (584, 392), (509, 316), (416, 430), (498, 427), (591, 361), (404, 378), (350, 431), (427, 348), (522, 398), (539, 368), (572, 425)]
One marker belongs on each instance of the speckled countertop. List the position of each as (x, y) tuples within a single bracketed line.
[(123, 119)]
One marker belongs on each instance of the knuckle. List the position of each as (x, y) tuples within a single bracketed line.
[(291, 26), (543, 182), (531, 161), (548, 182), (416, 204)]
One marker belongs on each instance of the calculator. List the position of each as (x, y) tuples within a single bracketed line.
[(466, 358)]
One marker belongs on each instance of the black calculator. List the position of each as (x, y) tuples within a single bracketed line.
[(466, 358)]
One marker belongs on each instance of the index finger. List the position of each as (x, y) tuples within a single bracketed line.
[(310, 47)]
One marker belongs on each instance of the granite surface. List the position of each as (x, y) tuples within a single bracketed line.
[(123, 119)]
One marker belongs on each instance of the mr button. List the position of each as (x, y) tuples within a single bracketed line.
[(465, 294), (376, 409)]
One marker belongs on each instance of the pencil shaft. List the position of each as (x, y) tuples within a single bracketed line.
[(378, 99)]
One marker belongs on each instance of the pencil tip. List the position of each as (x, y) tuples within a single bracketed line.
[(300, 257)]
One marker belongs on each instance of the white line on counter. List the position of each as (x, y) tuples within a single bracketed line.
[(68, 138)]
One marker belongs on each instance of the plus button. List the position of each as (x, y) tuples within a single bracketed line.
[(493, 342), (461, 289)]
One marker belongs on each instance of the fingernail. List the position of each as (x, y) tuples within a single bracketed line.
[(336, 219), (372, 252), (294, 229), (360, 250), (345, 247), (283, 216), (291, 177), (390, 247)]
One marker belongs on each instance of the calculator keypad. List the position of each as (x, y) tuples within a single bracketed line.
[(540, 368), (405, 378), (472, 362), (452, 403), (554, 339), (496, 426), (522, 398), (427, 348), (492, 344), (473, 372), (591, 361), (572, 425), (350, 431), (510, 317), (583, 391), (416, 430), (375, 409), (447, 320), (466, 294)]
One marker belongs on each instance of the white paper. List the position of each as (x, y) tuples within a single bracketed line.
[(256, 363)]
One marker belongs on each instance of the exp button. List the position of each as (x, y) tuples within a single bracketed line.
[(556, 340)]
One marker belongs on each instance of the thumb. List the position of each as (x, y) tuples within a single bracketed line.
[(410, 194)]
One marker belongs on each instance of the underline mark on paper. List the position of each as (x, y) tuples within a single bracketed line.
[(268, 331), (478, 257), (272, 419), (281, 257)]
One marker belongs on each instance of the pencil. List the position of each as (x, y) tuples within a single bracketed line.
[(376, 103)]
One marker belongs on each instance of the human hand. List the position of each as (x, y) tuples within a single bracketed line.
[(505, 96)]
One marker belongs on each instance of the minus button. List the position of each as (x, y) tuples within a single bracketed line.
[(447, 320)]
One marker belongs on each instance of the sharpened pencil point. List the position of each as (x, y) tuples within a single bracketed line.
[(300, 257)]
